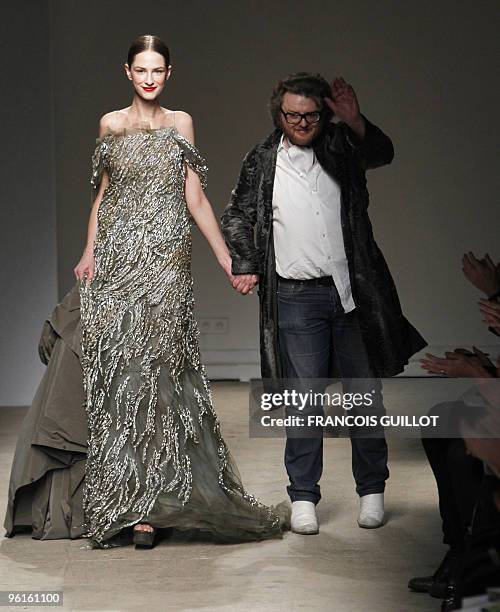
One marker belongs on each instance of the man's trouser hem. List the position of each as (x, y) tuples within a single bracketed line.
[(371, 490), (303, 497)]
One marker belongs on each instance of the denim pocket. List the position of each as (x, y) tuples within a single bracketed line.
[(286, 289)]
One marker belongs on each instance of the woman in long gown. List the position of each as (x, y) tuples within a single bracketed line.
[(156, 457)]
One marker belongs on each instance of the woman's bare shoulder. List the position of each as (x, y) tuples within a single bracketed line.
[(183, 118), (114, 121), (184, 125)]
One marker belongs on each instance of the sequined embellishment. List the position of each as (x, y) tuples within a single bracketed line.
[(148, 400)]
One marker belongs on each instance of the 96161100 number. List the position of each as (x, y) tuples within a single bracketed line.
[(33, 598)]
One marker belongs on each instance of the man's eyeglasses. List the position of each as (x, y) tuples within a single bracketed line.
[(296, 118)]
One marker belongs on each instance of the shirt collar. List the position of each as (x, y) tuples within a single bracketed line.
[(284, 145), (301, 158)]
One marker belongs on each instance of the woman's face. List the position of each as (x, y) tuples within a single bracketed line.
[(148, 74)]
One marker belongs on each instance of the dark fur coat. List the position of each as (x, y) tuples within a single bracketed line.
[(247, 225)]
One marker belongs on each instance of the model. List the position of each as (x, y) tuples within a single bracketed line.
[(156, 457)]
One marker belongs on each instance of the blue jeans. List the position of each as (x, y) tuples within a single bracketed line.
[(313, 330)]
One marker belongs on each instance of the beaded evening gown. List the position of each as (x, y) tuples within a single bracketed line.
[(155, 451)]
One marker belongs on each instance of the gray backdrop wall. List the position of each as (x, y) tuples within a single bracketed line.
[(424, 73), (28, 227)]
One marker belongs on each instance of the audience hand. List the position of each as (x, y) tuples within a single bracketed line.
[(491, 313), (482, 273), (484, 360), (457, 364)]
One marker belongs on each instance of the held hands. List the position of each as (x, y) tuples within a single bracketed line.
[(482, 273), (85, 267), (343, 102), (244, 283), (226, 263)]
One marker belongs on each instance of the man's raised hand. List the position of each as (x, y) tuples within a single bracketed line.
[(343, 102)]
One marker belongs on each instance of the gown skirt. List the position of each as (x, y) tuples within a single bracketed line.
[(144, 414)]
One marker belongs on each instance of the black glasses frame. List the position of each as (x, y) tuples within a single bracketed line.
[(301, 116)]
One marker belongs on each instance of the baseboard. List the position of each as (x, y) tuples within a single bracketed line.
[(244, 364)]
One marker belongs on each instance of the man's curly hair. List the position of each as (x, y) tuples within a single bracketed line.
[(309, 84)]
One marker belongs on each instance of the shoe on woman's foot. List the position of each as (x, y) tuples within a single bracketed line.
[(144, 539)]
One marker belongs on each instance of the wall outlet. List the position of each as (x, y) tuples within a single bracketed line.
[(213, 325)]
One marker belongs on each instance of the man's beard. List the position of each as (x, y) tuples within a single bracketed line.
[(313, 135)]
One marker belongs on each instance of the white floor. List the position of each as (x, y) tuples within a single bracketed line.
[(344, 568)]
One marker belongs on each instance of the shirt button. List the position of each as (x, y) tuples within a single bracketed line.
[(314, 191), (317, 212), (323, 235)]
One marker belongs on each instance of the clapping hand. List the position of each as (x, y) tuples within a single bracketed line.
[(458, 364), (483, 358), (491, 313), (482, 273)]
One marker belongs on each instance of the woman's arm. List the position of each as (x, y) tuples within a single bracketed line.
[(198, 204), (85, 266)]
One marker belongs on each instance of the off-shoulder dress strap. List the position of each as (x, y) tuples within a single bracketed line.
[(97, 167), (192, 156)]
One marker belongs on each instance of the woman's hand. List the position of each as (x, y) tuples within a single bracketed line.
[(226, 263), (85, 267), (243, 283)]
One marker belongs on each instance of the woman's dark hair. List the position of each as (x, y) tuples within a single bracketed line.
[(148, 42), (311, 85)]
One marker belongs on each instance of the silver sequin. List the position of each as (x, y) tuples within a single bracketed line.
[(147, 396)]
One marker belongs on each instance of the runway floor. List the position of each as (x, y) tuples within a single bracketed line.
[(344, 568)]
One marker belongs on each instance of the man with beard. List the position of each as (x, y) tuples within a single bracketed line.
[(297, 224)]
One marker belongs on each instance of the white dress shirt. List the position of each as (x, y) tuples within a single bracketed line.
[(308, 240)]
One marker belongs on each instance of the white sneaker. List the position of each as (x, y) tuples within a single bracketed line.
[(304, 518), (371, 511)]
